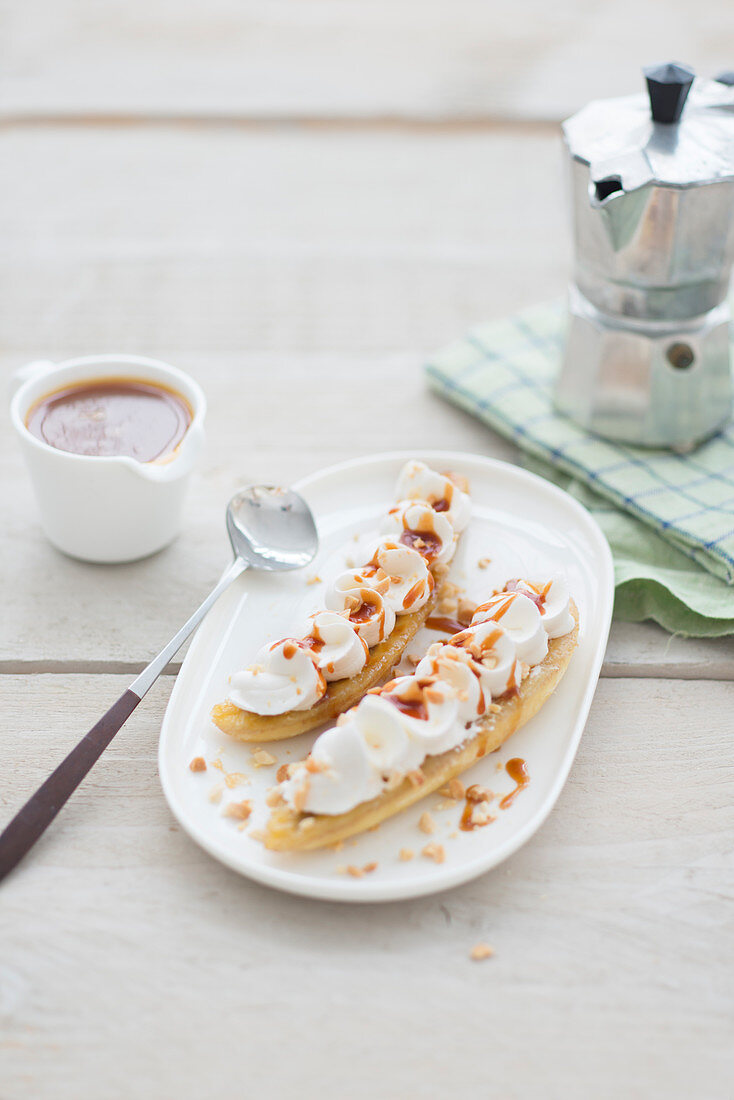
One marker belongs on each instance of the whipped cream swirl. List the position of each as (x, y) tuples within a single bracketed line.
[(553, 601), (394, 728), (284, 677), (419, 482), (520, 618), (369, 614), (336, 647), (415, 524)]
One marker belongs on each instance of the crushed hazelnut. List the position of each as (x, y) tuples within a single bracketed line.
[(240, 810), (416, 778), (434, 852), (283, 773), (260, 758), (466, 610), (440, 570), (484, 563), (448, 606), (215, 794), (299, 800), (456, 789), (218, 764), (355, 872), (370, 867), (274, 798), (413, 659), (406, 854), (477, 793), (426, 824), (481, 814), (257, 834), (481, 951), (315, 579), (233, 779), (198, 764)]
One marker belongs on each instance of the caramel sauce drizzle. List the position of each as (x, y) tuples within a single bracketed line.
[(414, 593), (518, 771), (537, 596), (445, 624), (414, 706), (366, 609), (432, 543), (465, 822)]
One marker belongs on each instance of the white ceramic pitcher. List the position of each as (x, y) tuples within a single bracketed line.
[(107, 508)]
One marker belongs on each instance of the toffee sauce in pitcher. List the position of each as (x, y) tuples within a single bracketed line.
[(108, 417)]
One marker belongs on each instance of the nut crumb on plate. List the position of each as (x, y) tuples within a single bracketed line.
[(240, 810), (481, 814), (426, 824), (481, 951), (454, 789), (215, 793), (406, 854), (435, 852), (477, 793), (466, 610), (260, 758), (233, 779), (198, 764), (315, 579)]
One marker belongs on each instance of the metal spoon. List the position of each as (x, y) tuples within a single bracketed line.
[(269, 528)]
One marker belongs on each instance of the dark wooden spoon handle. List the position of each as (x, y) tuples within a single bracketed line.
[(42, 807)]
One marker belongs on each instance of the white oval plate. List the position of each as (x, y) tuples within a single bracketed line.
[(527, 527)]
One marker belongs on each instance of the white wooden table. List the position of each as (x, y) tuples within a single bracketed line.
[(296, 202)]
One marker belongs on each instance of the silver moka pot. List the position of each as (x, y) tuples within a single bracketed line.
[(652, 189)]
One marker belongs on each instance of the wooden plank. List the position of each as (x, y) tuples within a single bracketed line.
[(283, 241), (130, 960), (413, 59)]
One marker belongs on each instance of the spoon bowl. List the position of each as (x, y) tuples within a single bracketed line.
[(271, 528)]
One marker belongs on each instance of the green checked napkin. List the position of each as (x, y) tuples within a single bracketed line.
[(671, 519)]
